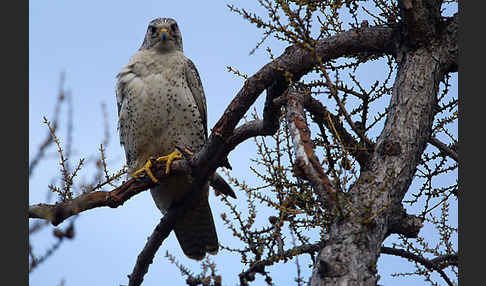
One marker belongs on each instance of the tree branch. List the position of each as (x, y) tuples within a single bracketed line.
[(433, 264), (57, 213), (421, 18), (270, 122), (160, 233), (297, 62), (405, 224), (320, 115), (444, 148), (259, 267), (307, 165)]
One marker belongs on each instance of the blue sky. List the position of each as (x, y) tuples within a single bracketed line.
[(91, 41)]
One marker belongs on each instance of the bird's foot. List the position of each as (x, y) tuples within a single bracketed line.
[(146, 169), (169, 158)]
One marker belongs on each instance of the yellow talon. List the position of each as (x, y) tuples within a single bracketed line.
[(146, 168), (169, 158)]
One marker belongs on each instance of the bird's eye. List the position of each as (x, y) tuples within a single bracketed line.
[(173, 27), (152, 30)]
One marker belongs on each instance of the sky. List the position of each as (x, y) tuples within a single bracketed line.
[(90, 41)]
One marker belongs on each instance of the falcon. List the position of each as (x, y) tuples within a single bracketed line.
[(161, 104)]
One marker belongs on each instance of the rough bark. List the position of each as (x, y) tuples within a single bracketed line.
[(350, 254)]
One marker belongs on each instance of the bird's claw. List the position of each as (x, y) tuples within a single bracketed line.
[(169, 158), (147, 170)]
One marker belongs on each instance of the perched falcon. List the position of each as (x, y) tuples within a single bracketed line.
[(161, 104)]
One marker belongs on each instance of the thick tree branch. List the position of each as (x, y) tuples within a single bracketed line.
[(160, 233), (307, 165), (57, 213), (402, 223), (421, 18), (297, 62)]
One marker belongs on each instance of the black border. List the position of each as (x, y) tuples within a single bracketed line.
[(471, 194), (15, 159)]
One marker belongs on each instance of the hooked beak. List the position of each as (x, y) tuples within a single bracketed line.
[(164, 34)]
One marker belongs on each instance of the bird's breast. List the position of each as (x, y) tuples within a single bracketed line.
[(166, 116)]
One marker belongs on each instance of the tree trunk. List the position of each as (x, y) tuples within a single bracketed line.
[(372, 208)]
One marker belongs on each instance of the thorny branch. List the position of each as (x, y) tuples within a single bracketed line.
[(49, 139)]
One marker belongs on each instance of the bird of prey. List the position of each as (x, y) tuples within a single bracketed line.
[(161, 104)]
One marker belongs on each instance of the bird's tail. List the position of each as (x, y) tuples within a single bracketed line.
[(221, 186), (195, 230)]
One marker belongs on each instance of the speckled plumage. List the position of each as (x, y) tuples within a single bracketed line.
[(161, 103)]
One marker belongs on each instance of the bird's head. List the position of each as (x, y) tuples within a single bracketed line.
[(162, 34)]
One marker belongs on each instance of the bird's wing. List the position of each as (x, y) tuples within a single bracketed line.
[(195, 84), (128, 84)]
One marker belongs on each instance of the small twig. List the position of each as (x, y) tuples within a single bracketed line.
[(49, 139), (342, 108)]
